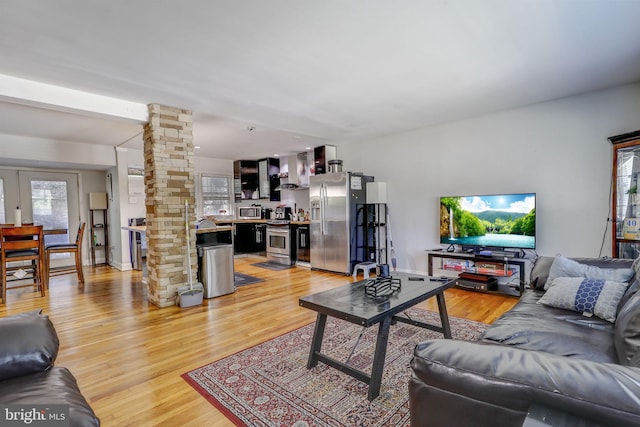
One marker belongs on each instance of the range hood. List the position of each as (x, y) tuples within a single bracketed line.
[(286, 185)]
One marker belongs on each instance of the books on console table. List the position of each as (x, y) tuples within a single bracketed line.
[(480, 267)]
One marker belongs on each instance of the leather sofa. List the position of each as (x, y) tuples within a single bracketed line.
[(28, 349), (536, 355)]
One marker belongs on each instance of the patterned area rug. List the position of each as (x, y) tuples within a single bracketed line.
[(272, 266), (244, 279), (269, 384)]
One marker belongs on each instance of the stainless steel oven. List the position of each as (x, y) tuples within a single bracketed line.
[(279, 242)]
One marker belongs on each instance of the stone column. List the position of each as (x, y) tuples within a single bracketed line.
[(169, 176)]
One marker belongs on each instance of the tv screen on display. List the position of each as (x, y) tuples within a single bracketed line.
[(491, 221)]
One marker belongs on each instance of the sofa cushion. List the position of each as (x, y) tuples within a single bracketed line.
[(540, 272), (627, 332), (29, 344), (498, 383), (587, 296), (565, 267), (56, 386), (533, 326)]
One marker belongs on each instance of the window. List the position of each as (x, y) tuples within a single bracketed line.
[(216, 194), (49, 207)]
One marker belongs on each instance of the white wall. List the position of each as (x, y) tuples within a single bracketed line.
[(558, 150), (213, 166), (34, 152)]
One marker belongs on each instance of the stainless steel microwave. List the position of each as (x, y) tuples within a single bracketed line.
[(249, 212)]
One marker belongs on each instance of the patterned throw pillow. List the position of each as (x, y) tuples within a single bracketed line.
[(565, 267), (588, 296)]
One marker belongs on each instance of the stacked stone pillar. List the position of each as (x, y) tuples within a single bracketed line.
[(169, 176)]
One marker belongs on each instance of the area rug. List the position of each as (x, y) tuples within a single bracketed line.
[(272, 266), (244, 279), (269, 384)]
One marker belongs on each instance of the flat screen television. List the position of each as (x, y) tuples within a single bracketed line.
[(495, 221)]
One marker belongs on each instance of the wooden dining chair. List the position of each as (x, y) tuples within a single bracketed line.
[(60, 248), (17, 244)]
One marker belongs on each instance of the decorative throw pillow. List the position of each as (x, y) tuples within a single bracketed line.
[(588, 296), (565, 267)]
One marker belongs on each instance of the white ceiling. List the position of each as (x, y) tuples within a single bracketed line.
[(304, 73)]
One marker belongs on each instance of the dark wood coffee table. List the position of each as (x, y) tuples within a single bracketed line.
[(350, 303)]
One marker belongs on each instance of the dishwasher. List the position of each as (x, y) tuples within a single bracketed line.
[(215, 263)]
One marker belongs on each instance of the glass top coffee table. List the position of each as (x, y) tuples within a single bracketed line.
[(352, 303)]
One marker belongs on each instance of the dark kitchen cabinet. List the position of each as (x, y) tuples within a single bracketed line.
[(260, 233), (321, 156), (245, 178), (237, 181), (268, 178), (303, 244), (250, 238)]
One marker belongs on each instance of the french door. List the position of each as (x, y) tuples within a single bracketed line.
[(45, 198)]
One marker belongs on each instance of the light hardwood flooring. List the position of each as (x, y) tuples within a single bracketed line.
[(128, 355)]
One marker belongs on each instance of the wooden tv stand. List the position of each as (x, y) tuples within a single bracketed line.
[(498, 274)]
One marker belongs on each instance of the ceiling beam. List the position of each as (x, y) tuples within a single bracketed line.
[(42, 95)]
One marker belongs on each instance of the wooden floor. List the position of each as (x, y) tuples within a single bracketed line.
[(128, 355)]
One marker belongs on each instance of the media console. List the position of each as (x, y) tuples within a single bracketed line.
[(500, 274)]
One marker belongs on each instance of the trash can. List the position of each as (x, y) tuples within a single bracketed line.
[(217, 273)]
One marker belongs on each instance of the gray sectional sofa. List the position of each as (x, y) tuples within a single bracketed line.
[(540, 355)]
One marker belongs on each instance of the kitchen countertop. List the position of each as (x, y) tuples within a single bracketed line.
[(143, 229), (256, 221), (214, 229)]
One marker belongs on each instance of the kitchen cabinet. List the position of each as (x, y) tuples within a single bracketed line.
[(256, 179), (250, 238), (260, 233), (268, 179), (625, 205), (322, 155), (237, 181), (302, 244), (245, 180)]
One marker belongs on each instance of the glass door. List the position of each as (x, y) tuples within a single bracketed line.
[(51, 199), (46, 198)]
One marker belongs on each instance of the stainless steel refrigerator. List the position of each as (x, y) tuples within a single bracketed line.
[(336, 201)]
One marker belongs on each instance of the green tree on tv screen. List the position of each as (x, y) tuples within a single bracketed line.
[(466, 223), (525, 225)]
